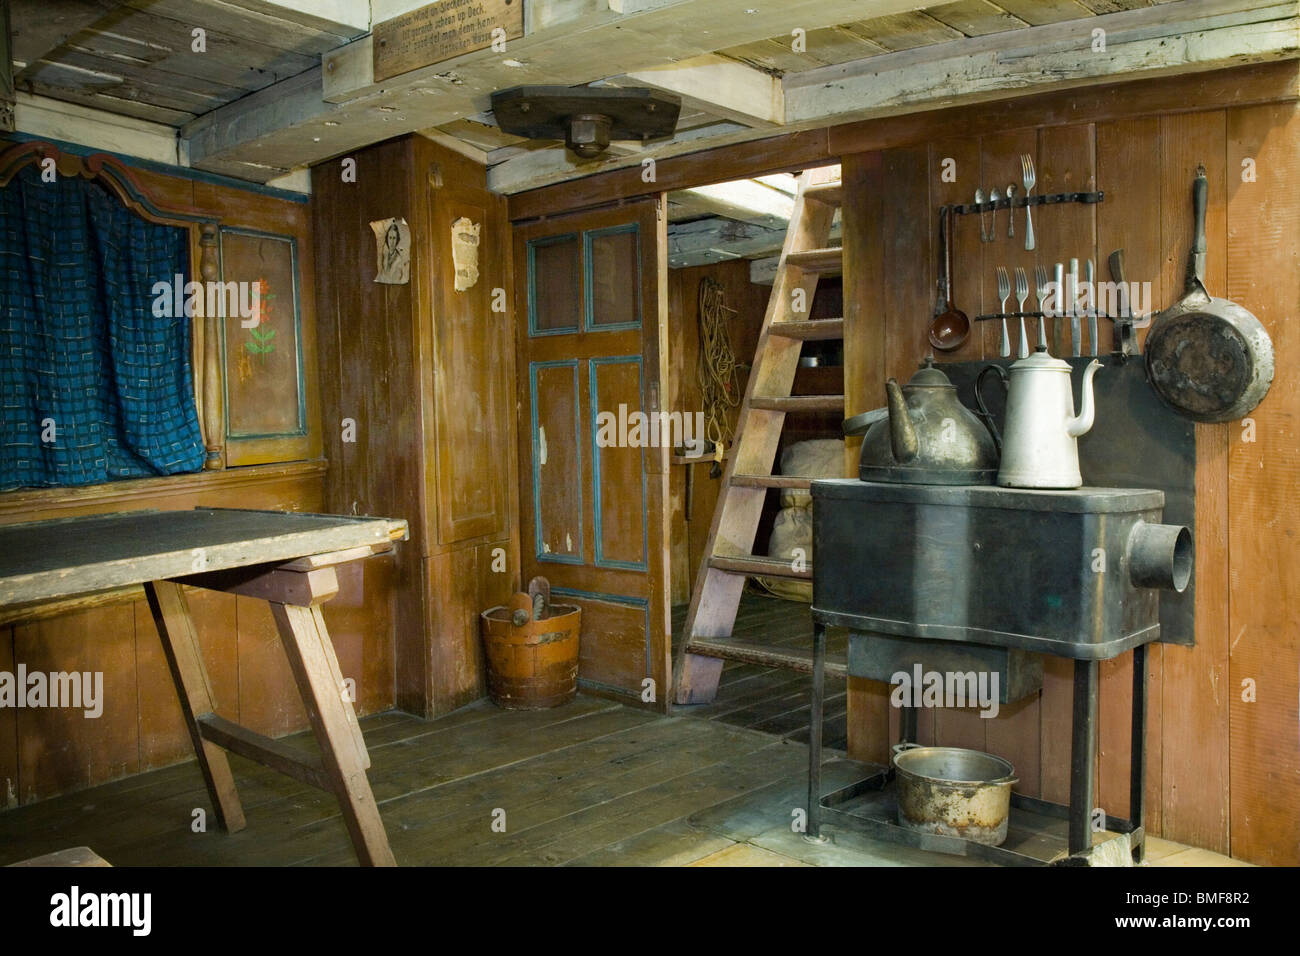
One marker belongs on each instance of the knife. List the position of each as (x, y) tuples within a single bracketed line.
[(1058, 310), (1123, 331), (1072, 298), (1089, 280)]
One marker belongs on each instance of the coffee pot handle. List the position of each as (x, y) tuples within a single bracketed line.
[(983, 409)]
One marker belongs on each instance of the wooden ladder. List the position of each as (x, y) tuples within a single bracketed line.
[(748, 476)]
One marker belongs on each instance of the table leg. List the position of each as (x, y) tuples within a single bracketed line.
[(311, 657), (171, 614), (815, 735), (1138, 758), (1083, 752)]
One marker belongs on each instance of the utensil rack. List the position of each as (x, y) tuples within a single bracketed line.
[(1020, 202), (992, 316)]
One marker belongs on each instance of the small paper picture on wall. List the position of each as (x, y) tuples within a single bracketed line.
[(392, 251)]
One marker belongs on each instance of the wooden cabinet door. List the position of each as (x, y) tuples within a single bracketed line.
[(593, 488)]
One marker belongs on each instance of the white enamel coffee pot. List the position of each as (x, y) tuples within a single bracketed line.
[(1040, 435)]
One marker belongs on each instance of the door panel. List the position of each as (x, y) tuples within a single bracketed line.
[(618, 471), (593, 497), (556, 465)]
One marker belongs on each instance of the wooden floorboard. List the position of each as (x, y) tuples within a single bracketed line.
[(590, 783)]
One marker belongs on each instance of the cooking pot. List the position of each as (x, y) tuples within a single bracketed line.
[(954, 792)]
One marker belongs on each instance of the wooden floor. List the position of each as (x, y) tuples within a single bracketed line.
[(591, 783), (770, 699)]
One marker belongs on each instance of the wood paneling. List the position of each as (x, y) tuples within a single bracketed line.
[(49, 752), (1222, 772), (63, 748), (1128, 159), (1263, 274), (8, 729), (421, 376)]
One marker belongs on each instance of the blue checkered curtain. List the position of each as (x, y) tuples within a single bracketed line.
[(83, 358)]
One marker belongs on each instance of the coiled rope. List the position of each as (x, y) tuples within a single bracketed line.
[(717, 372)]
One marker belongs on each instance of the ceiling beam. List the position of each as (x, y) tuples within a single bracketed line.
[(744, 200), (718, 85), (539, 167), (1180, 37), (579, 41)]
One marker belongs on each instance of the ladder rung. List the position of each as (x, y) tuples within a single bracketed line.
[(751, 564), (809, 329), (830, 193), (800, 403), (771, 481), (749, 652), (817, 260)]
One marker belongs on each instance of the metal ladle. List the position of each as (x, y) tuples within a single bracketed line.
[(950, 326)]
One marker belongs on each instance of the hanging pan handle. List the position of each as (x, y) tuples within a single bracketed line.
[(1196, 260)]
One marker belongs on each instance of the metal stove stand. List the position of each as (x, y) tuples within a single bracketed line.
[(1083, 750)]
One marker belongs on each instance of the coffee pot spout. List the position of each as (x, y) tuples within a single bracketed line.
[(1081, 423), (902, 433)]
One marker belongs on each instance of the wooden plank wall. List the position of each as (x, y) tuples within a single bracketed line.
[(46, 752), (1223, 770), (426, 375)]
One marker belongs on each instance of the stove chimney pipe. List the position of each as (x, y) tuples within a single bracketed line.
[(1160, 556)]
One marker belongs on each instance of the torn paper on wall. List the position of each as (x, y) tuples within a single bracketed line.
[(464, 252)]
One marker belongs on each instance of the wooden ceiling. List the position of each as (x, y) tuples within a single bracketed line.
[(137, 57), (907, 31), (844, 43), (280, 86)]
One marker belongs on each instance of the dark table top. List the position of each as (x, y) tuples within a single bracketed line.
[(41, 560)]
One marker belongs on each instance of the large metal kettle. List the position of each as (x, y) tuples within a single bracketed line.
[(929, 437), (1040, 447)]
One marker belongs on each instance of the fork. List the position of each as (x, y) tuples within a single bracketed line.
[(1040, 280), (1031, 179), (1022, 293), (1004, 293)]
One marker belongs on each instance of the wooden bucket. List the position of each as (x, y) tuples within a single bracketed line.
[(534, 665)]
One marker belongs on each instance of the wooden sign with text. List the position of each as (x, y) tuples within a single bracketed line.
[(441, 31)]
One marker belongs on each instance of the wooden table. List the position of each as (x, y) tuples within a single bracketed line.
[(286, 559)]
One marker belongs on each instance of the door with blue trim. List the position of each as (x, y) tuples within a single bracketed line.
[(594, 449)]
